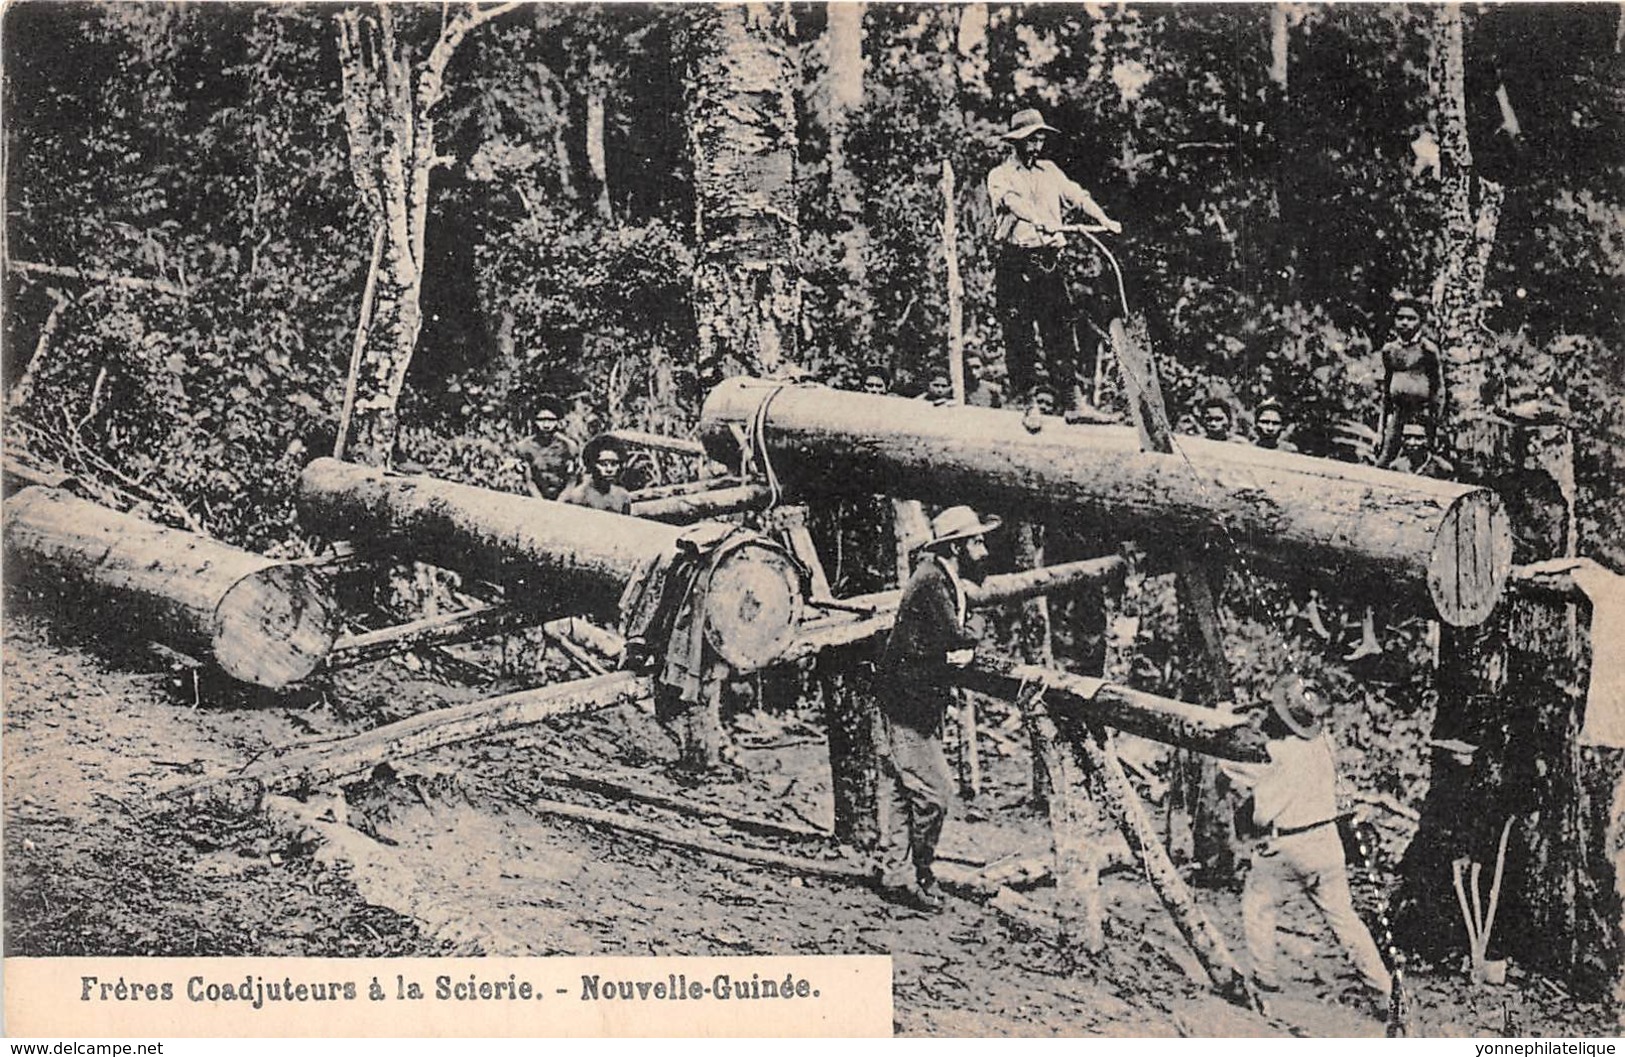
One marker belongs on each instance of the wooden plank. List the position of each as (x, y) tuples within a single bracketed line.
[(316, 765)]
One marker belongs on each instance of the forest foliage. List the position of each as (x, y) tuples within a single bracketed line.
[(1270, 210)]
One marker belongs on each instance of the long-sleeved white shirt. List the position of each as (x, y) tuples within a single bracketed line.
[(1026, 198), (1298, 787)]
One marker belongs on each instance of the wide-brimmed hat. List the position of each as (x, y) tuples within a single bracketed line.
[(547, 404), (600, 444), (1300, 703), (960, 523), (1024, 123)]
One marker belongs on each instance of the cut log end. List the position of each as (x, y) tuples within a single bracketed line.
[(273, 627), (1471, 559), (753, 606)]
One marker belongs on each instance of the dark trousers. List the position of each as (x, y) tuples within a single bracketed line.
[(915, 787), (1037, 312)]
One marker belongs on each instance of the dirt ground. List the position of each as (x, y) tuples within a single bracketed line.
[(446, 856)]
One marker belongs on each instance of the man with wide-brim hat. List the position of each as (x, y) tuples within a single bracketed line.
[(928, 641), (604, 457), (1294, 798), (1031, 197)]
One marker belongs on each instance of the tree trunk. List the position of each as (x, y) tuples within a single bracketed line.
[(597, 91), (1508, 687), (742, 132), (956, 286), (844, 97), (552, 556), (262, 621), (1435, 542)]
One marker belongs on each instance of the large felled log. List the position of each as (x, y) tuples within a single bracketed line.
[(262, 621), (1447, 544), (550, 556), (1214, 733)]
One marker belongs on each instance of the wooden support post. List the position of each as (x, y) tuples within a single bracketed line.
[(317, 765), (262, 621), (852, 720), (970, 755), (1123, 803)]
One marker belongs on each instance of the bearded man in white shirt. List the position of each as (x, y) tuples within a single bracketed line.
[(1030, 197)]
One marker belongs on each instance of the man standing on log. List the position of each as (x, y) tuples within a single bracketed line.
[(927, 640), (1295, 807), (1030, 197), (549, 457), (601, 491)]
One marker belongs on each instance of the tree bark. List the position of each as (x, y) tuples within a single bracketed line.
[(389, 101), (742, 134), (262, 621), (1436, 542), (550, 556)]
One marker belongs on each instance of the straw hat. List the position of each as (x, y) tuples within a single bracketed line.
[(1024, 123), (1300, 703), (960, 523)]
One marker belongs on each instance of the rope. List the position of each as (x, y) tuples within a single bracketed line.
[(756, 446), (1250, 580)]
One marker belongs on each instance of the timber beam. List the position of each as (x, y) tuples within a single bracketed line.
[(1079, 699), (865, 617), (305, 767), (1448, 545)]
